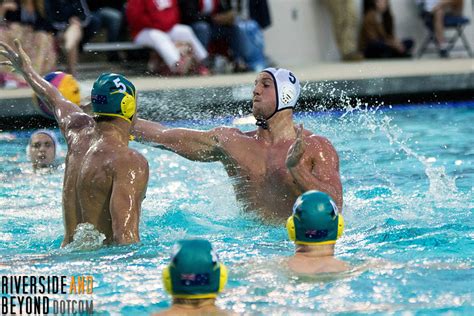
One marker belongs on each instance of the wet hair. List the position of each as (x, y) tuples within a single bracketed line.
[(387, 18)]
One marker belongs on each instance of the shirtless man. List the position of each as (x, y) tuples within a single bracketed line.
[(104, 180), (270, 166), (314, 227), (194, 278)]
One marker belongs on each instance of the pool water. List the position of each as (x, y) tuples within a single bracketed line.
[(407, 175)]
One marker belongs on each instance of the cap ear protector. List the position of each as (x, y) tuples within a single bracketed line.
[(128, 105), (114, 95), (312, 223), (181, 279)]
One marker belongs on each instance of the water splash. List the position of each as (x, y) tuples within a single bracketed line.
[(442, 187), (86, 238)]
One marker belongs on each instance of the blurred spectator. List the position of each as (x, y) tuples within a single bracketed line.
[(25, 20), (377, 38), (438, 9), (155, 24), (252, 17), (211, 21), (73, 23), (110, 13), (344, 24)]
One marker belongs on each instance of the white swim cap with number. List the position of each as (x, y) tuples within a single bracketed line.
[(287, 88)]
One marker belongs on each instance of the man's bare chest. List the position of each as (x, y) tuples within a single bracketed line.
[(258, 162)]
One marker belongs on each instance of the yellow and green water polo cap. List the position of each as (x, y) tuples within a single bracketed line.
[(315, 220), (194, 271), (114, 95)]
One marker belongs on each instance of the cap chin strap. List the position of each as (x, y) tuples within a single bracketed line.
[(263, 122)]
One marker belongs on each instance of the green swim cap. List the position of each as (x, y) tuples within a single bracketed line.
[(114, 95), (315, 220), (195, 271)]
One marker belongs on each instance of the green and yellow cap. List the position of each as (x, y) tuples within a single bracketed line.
[(315, 220), (114, 95), (195, 271)]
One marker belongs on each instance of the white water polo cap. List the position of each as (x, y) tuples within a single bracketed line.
[(287, 88)]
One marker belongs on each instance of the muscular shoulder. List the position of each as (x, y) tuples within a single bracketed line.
[(131, 160), (225, 133), (320, 143), (79, 120)]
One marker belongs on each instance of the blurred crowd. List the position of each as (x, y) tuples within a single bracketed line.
[(198, 37), (184, 37)]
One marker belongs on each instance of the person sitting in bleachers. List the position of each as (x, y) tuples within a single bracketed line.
[(213, 22), (252, 16), (156, 24), (74, 24), (25, 20), (438, 9), (377, 37), (111, 15)]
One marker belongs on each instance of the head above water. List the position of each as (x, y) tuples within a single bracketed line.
[(315, 220), (285, 88), (113, 95), (43, 149), (194, 271)]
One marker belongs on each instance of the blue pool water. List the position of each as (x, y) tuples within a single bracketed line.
[(407, 174)]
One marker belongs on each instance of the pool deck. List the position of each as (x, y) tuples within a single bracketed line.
[(175, 96)]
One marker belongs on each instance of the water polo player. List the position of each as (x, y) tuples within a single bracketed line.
[(194, 278), (270, 166), (105, 181), (43, 150), (314, 227)]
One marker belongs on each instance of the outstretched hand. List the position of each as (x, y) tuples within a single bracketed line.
[(17, 58), (297, 149)]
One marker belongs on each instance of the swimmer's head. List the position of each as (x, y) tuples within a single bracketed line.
[(286, 89), (43, 149), (315, 220), (114, 95), (67, 86), (194, 271)]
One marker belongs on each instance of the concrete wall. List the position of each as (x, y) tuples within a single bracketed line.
[(301, 32)]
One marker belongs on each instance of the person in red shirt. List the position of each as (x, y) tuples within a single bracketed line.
[(155, 24)]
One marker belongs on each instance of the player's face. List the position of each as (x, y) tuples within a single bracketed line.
[(264, 96), (42, 150)]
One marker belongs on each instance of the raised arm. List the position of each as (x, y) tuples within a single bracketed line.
[(67, 114), (314, 164), (192, 144), (128, 191)]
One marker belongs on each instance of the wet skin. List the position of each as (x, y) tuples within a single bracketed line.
[(312, 260), (42, 151), (269, 168), (104, 180)]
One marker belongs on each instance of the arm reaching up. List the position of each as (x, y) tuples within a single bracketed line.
[(67, 114)]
